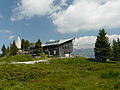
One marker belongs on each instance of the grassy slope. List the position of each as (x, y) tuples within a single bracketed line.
[(64, 74), (18, 58)]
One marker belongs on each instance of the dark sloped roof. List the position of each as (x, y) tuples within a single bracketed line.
[(56, 42)]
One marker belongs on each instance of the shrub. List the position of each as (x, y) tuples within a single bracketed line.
[(110, 74), (21, 72)]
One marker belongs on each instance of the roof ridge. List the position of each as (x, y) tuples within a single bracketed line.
[(57, 42)]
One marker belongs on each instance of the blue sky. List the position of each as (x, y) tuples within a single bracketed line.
[(57, 19)]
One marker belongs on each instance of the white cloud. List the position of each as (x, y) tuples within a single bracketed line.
[(11, 37), (84, 42), (88, 15), (89, 41), (80, 15), (5, 31), (111, 37), (30, 8)]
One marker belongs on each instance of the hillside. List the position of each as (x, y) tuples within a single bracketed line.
[(61, 74), (84, 52)]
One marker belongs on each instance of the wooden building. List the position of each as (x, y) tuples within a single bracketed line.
[(59, 48)]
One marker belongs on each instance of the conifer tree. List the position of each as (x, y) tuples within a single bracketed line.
[(13, 48), (23, 44), (4, 50), (8, 51), (102, 47), (116, 50), (27, 44), (38, 48)]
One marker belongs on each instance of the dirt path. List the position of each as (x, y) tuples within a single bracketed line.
[(30, 62)]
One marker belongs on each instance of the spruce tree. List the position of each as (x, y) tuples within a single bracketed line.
[(13, 48), (27, 44), (116, 50), (38, 48), (23, 44), (4, 51), (8, 51), (102, 47)]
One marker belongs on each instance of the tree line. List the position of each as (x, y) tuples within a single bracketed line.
[(12, 49), (104, 50)]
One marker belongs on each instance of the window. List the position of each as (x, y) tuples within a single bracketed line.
[(54, 52)]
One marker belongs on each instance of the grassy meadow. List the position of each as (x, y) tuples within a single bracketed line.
[(19, 58), (61, 74)]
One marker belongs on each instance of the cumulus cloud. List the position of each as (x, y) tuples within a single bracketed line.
[(5, 31), (84, 42), (79, 15), (29, 8), (88, 15), (89, 41), (114, 36)]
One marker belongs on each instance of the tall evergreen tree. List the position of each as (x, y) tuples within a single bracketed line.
[(38, 48), (102, 47), (27, 44), (23, 44), (13, 48), (8, 51), (4, 50), (116, 50)]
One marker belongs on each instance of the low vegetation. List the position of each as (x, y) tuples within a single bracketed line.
[(61, 74), (16, 58), (20, 58)]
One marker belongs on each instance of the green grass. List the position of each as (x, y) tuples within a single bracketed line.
[(19, 58), (16, 58), (61, 74)]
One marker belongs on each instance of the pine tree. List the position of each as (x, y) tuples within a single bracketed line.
[(102, 47), (4, 51), (13, 48), (23, 44), (38, 48), (116, 50), (8, 51), (27, 44)]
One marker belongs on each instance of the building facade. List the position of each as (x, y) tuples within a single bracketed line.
[(59, 48)]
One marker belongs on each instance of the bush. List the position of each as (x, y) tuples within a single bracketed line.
[(110, 74), (117, 85), (21, 72)]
